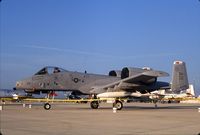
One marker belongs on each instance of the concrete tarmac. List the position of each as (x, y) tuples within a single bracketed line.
[(79, 119)]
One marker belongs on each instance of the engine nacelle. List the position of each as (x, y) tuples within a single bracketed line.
[(129, 71), (116, 73)]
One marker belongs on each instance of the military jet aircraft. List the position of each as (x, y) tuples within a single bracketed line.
[(135, 82), (14, 96)]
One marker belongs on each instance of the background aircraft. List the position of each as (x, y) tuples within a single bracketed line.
[(177, 97), (15, 96), (135, 82)]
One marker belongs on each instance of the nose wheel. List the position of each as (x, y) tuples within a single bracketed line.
[(47, 106)]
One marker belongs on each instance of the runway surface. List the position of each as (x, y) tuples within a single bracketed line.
[(79, 119)]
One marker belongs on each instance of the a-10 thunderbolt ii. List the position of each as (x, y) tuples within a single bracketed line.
[(129, 82)]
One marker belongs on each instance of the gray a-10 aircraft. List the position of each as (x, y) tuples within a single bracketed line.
[(129, 82)]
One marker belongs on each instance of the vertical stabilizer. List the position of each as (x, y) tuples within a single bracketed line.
[(179, 77)]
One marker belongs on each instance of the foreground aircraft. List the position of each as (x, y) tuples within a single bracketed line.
[(129, 82)]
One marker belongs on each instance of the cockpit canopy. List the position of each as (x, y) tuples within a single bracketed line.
[(49, 70)]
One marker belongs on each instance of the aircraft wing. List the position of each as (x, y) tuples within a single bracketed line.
[(130, 82)]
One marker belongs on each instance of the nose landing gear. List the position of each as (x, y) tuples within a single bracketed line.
[(47, 106)]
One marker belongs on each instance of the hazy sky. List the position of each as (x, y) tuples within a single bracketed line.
[(98, 36)]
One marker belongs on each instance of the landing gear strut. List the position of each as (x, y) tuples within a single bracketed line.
[(118, 104), (47, 106), (94, 104), (155, 103)]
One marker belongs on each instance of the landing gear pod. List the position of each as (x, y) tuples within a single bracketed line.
[(47, 106)]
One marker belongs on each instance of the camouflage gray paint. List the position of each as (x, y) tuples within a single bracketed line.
[(143, 80)]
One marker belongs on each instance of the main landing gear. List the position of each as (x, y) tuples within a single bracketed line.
[(94, 104), (118, 104)]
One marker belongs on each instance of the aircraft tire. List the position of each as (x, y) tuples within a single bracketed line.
[(47, 106), (118, 104), (94, 104)]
